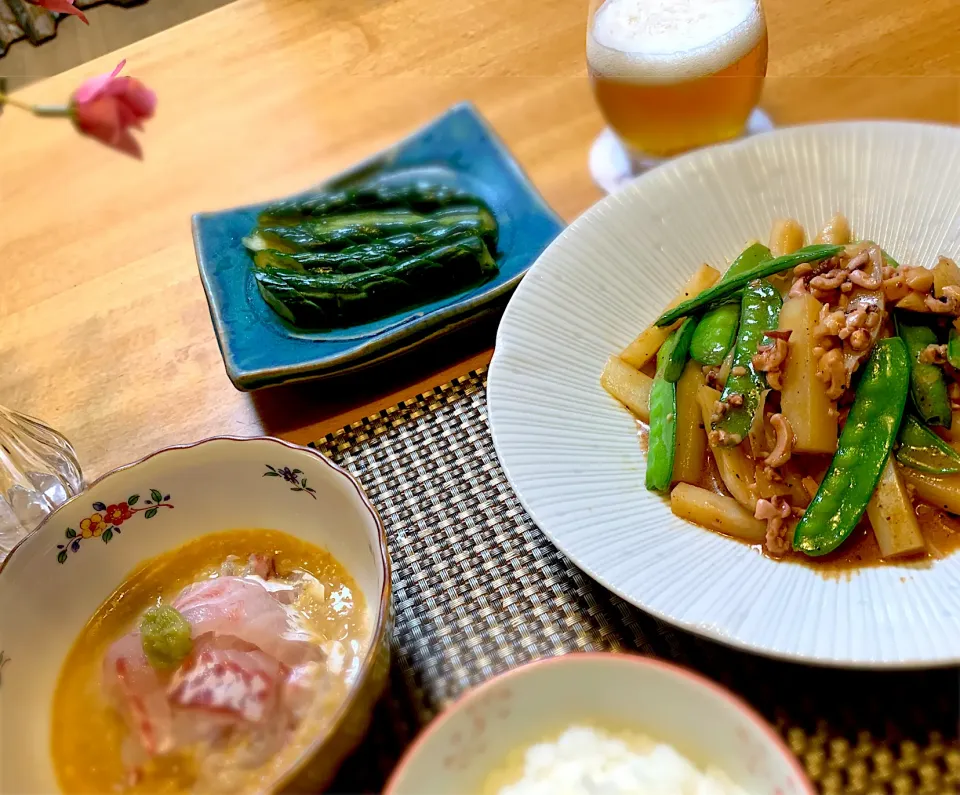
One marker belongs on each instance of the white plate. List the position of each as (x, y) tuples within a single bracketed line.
[(571, 451)]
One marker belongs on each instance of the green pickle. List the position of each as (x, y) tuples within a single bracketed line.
[(165, 636)]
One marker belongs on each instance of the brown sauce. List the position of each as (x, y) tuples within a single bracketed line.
[(941, 530)]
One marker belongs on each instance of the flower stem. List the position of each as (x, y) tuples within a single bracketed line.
[(6, 99), (37, 110)]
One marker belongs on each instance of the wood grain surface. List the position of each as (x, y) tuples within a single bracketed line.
[(104, 329)]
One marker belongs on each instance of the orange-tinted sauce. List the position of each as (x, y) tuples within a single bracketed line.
[(941, 530)]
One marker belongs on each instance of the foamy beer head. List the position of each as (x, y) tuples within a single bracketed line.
[(669, 41), (656, 60)]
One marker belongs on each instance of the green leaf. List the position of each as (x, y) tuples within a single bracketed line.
[(150, 514), (271, 475), (134, 499), (270, 467), (107, 535), (71, 533), (62, 557), (156, 495)]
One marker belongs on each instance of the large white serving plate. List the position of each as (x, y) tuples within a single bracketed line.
[(571, 451)]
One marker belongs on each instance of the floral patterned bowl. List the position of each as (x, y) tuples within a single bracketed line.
[(536, 702), (54, 580)]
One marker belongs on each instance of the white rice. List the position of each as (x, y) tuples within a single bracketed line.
[(585, 761)]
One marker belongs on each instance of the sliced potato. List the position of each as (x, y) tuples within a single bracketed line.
[(645, 347), (836, 232), (691, 446), (628, 385), (892, 517), (912, 302), (945, 274), (941, 491), (716, 512), (786, 236), (734, 465), (803, 399)]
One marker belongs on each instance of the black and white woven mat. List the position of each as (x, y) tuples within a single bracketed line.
[(478, 589)]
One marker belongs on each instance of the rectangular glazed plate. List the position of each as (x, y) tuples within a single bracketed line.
[(260, 349)]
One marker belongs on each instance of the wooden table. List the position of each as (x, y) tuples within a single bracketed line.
[(104, 330)]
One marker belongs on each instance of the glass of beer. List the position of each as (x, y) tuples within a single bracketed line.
[(674, 75)]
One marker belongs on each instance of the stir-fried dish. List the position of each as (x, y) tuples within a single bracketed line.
[(210, 669), (808, 396)]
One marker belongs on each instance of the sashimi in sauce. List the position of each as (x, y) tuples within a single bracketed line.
[(274, 631)]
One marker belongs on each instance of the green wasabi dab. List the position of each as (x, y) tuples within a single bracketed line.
[(165, 636)]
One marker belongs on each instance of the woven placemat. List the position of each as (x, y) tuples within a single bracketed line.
[(478, 589)]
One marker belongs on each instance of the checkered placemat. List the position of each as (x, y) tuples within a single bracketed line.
[(478, 589)]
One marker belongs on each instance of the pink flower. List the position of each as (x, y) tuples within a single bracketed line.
[(61, 7), (107, 106)]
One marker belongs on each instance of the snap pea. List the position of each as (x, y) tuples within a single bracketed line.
[(928, 388), (920, 448), (862, 451), (953, 348), (679, 351), (717, 329), (888, 260), (663, 420), (759, 312), (723, 289)]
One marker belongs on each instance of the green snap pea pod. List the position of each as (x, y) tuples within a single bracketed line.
[(920, 448), (722, 290), (717, 329), (888, 260), (663, 420), (719, 325), (953, 348), (680, 350), (862, 451), (928, 388), (759, 312)]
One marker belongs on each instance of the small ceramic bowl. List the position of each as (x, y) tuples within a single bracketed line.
[(538, 701), (56, 578)]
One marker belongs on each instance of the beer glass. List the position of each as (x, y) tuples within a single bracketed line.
[(674, 75)]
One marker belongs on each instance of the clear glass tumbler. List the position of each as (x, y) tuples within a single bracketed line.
[(38, 473), (673, 75)]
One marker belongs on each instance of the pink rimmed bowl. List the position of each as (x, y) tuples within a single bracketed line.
[(55, 579), (536, 702)]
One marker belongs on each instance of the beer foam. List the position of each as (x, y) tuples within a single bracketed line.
[(666, 41)]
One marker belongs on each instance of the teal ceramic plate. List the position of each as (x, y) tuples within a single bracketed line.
[(259, 349)]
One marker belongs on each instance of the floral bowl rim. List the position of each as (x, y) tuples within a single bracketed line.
[(477, 694), (379, 628)]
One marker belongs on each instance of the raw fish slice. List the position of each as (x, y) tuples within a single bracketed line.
[(245, 609), (300, 689), (243, 684), (132, 684)]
